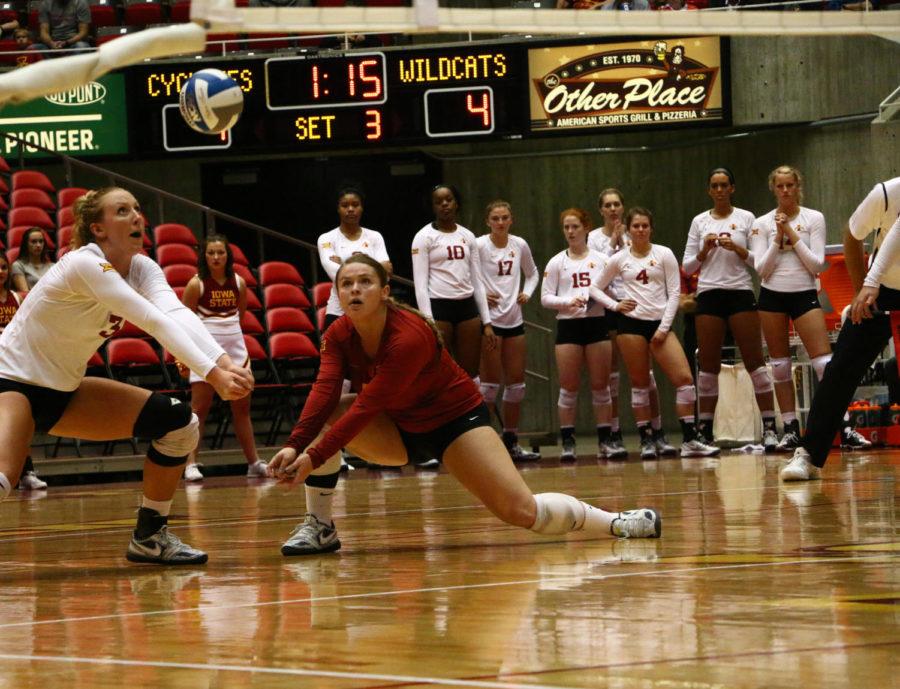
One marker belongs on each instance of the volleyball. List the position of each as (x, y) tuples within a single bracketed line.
[(211, 101)]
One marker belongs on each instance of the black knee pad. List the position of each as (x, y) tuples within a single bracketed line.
[(161, 415), (323, 481), (172, 428)]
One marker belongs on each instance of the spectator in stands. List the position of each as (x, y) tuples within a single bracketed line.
[(219, 297), (26, 52), (64, 24), (34, 260), (10, 27), (9, 304)]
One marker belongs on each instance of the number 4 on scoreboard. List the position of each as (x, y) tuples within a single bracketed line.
[(461, 111)]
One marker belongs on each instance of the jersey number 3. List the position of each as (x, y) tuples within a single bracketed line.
[(115, 325)]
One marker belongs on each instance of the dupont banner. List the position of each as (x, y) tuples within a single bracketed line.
[(87, 121), (623, 85)]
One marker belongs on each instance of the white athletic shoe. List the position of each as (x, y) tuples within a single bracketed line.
[(648, 450), (640, 523), (257, 469), (663, 446), (697, 448), (192, 473), (851, 439), (30, 481), (612, 450), (164, 548), (568, 453), (311, 537), (800, 468)]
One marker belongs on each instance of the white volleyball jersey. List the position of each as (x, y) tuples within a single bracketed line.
[(80, 302), (446, 266), (785, 267), (877, 213), (599, 242), (566, 278), (652, 281), (335, 243), (722, 269), (501, 271)]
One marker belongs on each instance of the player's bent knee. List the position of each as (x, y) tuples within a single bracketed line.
[(489, 392), (781, 369), (172, 428), (514, 393), (557, 513), (708, 384)]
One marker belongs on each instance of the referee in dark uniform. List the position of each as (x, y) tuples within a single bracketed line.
[(865, 332)]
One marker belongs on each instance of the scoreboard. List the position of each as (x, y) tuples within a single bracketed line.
[(335, 100), (413, 97)]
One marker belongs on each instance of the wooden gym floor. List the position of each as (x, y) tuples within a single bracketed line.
[(753, 584)]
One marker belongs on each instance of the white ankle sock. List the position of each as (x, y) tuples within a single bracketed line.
[(5, 486), (319, 502), (161, 506), (558, 513)]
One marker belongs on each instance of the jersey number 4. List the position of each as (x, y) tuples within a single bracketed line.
[(581, 279), (115, 325), (642, 277)]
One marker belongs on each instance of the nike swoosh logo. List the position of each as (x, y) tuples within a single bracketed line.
[(155, 551), (473, 418)]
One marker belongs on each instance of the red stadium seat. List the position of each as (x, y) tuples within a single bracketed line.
[(30, 217), (180, 11), (287, 346), (174, 233), (285, 319), (33, 8), (67, 196), (179, 275), (32, 179), (171, 254), (221, 43), (14, 237), (4, 206), (245, 273), (321, 292), (64, 236), (129, 329), (238, 255), (253, 302), (4, 187), (4, 166), (143, 12), (61, 251), (278, 272), (285, 295), (836, 284), (12, 255), (65, 216), (179, 292), (36, 198), (103, 13), (250, 324), (134, 360), (320, 318)]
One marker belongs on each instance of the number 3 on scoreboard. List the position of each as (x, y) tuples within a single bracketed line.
[(373, 125)]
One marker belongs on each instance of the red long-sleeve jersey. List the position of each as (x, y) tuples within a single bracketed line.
[(419, 387)]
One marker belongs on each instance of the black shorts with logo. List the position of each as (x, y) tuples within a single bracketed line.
[(794, 304), (454, 310), (420, 447), (724, 303), (47, 406), (635, 326), (509, 332), (581, 331)]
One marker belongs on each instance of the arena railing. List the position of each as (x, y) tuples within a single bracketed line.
[(538, 407)]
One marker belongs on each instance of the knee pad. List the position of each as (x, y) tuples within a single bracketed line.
[(614, 384), (640, 397), (567, 398), (173, 448), (686, 394), (781, 370), (489, 392), (708, 384), (652, 385), (762, 381), (819, 364), (514, 393), (558, 513), (601, 397)]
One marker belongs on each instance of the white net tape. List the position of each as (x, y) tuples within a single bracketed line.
[(65, 73)]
